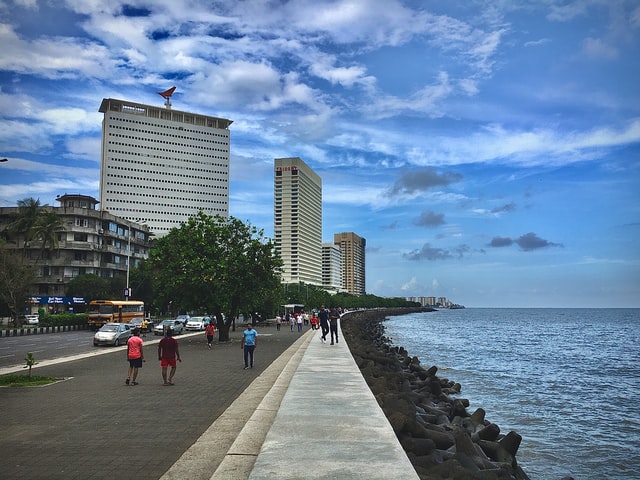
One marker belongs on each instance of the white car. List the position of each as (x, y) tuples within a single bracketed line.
[(195, 323), (32, 319)]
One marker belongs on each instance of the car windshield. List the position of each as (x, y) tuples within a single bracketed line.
[(110, 328)]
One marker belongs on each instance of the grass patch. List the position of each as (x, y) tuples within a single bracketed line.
[(15, 380)]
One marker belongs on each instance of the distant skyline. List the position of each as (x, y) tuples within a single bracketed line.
[(488, 152)]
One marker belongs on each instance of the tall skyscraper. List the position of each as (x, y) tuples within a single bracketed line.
[(297, 220), (332, 267), (353, 261), (161, 166)]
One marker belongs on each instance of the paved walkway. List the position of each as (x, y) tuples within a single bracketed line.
[(308, 415)]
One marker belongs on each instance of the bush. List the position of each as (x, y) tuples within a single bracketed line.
[(63, 319)]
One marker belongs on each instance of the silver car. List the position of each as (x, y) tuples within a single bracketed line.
[(112, 334), (176, 326)]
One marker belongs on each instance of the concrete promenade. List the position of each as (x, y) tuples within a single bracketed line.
[(304, 412)]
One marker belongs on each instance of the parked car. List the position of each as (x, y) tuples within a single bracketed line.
[(32, 319), (183, 318), (195, 323), (112, 334), (176, 326), (137, 323)]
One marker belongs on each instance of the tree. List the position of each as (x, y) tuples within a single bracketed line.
[(24, 224), (88, 286), (15, 283), (215, 265), (48, 224)]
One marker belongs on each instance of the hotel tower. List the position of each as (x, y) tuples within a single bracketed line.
[(297, 225)]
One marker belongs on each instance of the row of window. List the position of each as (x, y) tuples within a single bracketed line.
[(165, 172), (172, 182), (209, 190), (181, 159), (171, 115), (149, 133), (135, 146), (167, 213), (157, 139)]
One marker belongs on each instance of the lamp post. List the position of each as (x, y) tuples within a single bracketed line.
[(127, 293)]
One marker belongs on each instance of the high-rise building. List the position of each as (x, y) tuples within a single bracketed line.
[(353, 261), (161, 166), (297, 220), (331, 267)]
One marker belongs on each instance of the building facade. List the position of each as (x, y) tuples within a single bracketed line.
[(353, 248), (297, 225), (332, 268), (161, 166), (92, 242)]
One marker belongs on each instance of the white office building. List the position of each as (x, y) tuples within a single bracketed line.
[(161, 166), (332, 267), (298, 220)]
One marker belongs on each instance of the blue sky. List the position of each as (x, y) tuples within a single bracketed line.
[(488, 151)]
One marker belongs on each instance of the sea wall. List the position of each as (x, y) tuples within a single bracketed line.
[(441, 438)]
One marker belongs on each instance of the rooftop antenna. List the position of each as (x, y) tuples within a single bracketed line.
[(167, 96)]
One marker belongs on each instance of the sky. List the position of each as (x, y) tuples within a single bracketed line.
[(487, 150)]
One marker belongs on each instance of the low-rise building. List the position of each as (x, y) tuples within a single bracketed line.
[(91, 241)]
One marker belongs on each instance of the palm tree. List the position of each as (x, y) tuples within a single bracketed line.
[(29, 210), (46, 229)]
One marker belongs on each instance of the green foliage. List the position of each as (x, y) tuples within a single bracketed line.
[(15, 283), (215, 265), (89, 286), (14, 380), (31, 361), (63, 319)]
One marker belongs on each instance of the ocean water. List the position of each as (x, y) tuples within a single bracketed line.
[(567, 380)]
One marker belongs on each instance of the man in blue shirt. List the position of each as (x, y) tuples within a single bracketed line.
[(248, 344)]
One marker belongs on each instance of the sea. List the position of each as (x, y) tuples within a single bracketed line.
[(567, 380)]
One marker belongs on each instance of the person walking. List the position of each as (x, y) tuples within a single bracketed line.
[(210, 332), (299, 320), (324, 323), (135, 357), (248, 345), (168, 353), (278, 322), (334, 316)]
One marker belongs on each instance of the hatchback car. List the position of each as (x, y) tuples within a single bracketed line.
[(195, 323), (32, 319), (176, 326), (137, 323), (112, 334)]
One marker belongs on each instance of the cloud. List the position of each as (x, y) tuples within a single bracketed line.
[(410, 285), (530, 241), (509, 207), (501, 242), (599, 49), (430, 219), (527, 242), (417, 180), (427, 252)]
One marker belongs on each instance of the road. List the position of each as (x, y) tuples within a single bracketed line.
[(49, 346)]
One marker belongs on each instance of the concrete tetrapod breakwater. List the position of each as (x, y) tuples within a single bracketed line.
[(442, 440)]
